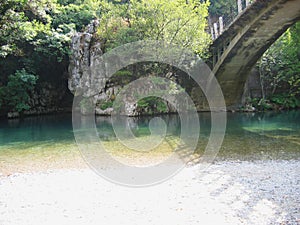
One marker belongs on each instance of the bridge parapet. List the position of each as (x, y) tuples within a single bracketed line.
[(221, 26), (218, 27)]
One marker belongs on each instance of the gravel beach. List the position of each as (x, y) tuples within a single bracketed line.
[(258, 192)]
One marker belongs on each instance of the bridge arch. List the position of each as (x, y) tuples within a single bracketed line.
[(240, 46)]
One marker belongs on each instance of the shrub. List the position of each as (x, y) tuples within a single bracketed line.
[(16, 94), (152, 105)]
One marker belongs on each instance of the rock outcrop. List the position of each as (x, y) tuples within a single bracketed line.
[(84, 48)]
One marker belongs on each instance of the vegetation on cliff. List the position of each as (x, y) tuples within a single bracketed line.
[(35, 37)]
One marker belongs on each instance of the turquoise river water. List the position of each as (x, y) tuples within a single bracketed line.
[(47, 142)]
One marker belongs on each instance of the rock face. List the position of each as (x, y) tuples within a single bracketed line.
[(49, 98), (84, 48)]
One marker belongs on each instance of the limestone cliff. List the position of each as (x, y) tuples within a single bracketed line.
[(86, 49)]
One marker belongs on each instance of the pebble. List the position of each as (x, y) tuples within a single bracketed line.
[(256, 192)]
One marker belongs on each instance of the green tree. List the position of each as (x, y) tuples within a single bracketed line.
[(75, 13), (280, 69), (177, 22), (35, 36), (15, 95), (225, 8)]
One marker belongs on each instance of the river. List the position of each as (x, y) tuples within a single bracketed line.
[(47, 142)]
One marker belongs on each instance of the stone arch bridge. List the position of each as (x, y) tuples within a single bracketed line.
[(237, 49)]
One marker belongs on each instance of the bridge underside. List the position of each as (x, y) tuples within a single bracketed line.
[(238, 49)]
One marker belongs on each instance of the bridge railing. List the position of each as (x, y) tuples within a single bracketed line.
[(222, 24)]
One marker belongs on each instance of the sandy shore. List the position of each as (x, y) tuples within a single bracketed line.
[(225, 193)]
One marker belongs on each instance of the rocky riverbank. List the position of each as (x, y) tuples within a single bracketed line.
[(258, 192)]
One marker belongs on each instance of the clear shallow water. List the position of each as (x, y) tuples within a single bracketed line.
[(48, 141)]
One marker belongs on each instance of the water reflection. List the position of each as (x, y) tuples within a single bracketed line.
[(139, 126), (249, 136)]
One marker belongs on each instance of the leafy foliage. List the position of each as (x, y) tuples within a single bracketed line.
[(225, 8), (75, 13), (106, 105), (286, 101), (152, 105), (178, 22), (16, 94), (280, 69), (35, 36), (276, 102)]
